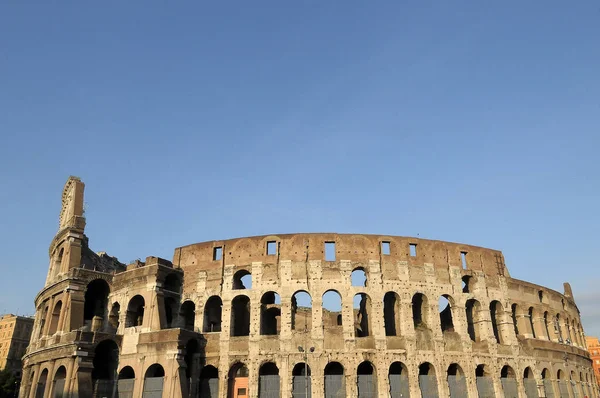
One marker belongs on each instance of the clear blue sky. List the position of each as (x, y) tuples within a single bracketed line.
[(475, 122)]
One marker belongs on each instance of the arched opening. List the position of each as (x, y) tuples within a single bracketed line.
[(531, 322), (358, 277), (240, 316), (332, 312), (43, 321), (57, 264), (301, 311), (508, 380), (514, 309), (457, 384), (268, 380), (238, 381), (547, 381), (445, 308), (529, 383), (398, 378), (126, 382), (485, 384), (212, 315), (301, 381), (242, 280), (496, 313), (171, 307), (106, 360), (41, 385), (335, 385), (209, 382), (55, 318), (270, 314), (427, 381), (173, 283), (573, 385), (96, 304), (362, 315), (472, 308), (558, 329), (59, 382), (188, 314), (420, 310), (366, 380), (191, 359), (546, 325), (391, 313), (135, 312), (153, 381), (466, 283), (562, 384), (113, 317)]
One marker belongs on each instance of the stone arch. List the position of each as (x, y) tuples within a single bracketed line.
[(95, 304), (331, 303), (366, 380), (242, 280), (268, 380), (420, 310), (240, 316), (547, 382), (171, 311), (135, 311), (473, 310), (362, 315), (484, 381), (391, 313), (398, 380), (301, 380), (43, 320), (335, 385), (213, 310), (457, 383), (154, 380), (105, 362), (445, 304), (187, 314), (209, 381), (529, 383), (301, 311), (514, 311), (562, 383), (270, 314), (238, 378), (531, 325), (497, 317), (126, 373), (57, 262), (508, 380), (113, 317), (358, 277), (428, 381), (54, 326), (546, 329), (41, 385), (59, 382), (467, 283)]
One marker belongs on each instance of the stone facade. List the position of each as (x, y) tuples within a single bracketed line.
[(15, 332), (332, 314)]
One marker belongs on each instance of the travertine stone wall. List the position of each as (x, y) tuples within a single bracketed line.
[(154, 314)]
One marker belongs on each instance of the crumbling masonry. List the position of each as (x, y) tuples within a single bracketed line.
[(330, 315)]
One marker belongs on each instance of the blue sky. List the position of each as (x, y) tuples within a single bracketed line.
[(475, 122)]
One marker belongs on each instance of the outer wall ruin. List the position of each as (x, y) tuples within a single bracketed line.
[(256, 317)]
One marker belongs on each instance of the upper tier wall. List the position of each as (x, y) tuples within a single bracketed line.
[(350, 247)]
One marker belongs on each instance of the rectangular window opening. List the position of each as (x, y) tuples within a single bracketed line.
[(217, 253), (385, 248), (413, 249), (329, 251), (271, 248), (463, 259)]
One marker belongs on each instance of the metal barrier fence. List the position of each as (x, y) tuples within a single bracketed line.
[(509, 387), (485, 387), (399, 387), (428, 385), (268, 386), (530, 388), (367, 387), (457, 386), (335, 386), (299, 387)]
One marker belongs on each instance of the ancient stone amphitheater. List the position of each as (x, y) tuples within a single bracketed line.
[(321, 315)]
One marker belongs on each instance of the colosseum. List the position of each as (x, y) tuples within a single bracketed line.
[(298, 315)]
